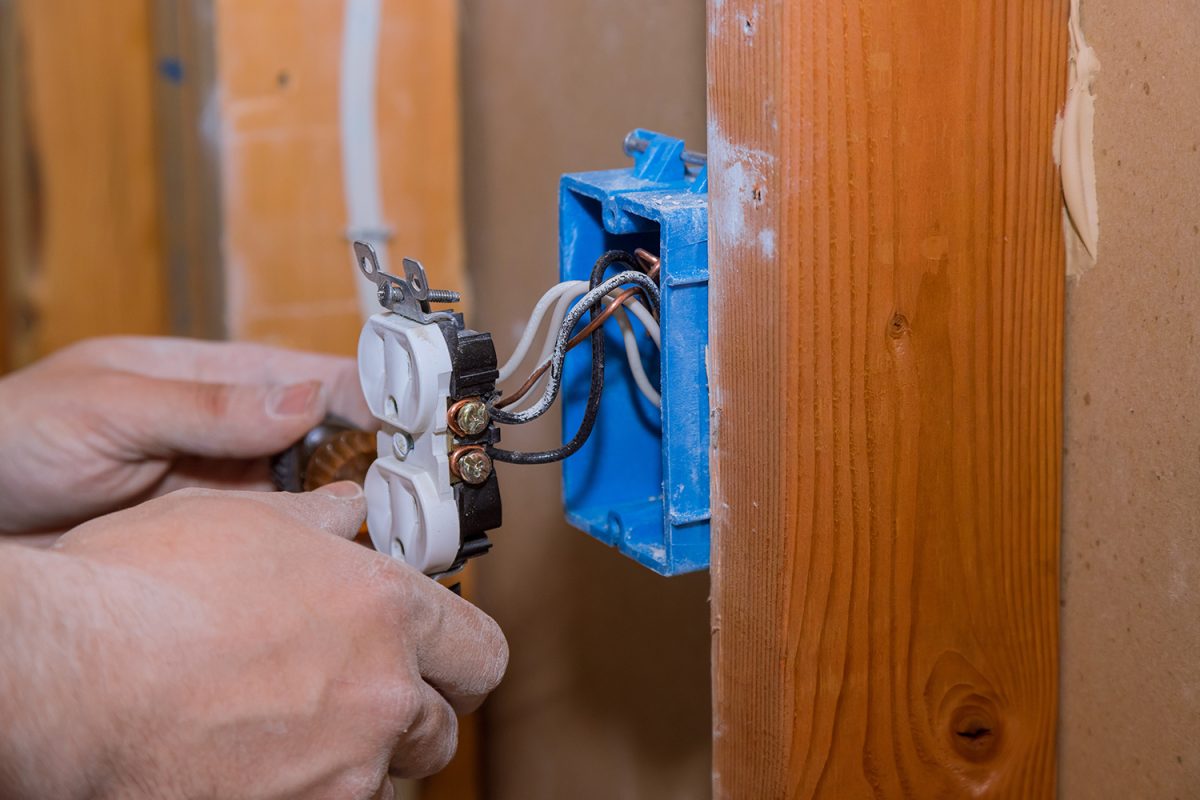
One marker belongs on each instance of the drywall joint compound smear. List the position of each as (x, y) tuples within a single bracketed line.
[(1073, 150)]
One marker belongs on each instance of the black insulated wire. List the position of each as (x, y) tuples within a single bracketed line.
[(563, 344), (596, 388)]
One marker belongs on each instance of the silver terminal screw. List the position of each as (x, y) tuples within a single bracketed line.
[(390, 294), (472, 465), (443, 296), (472, 417)]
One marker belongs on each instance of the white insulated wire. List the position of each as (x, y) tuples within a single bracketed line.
[(560, 345), (632, 353), (636, 368), (563, 293), (647, 319), (560, 311)]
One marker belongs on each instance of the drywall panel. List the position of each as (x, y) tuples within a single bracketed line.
[(1131, 560), (887, 248), (607, 694)]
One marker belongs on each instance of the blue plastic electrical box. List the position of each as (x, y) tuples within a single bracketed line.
[(641, 483)]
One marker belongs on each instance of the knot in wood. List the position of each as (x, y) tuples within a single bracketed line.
[(975, 730)]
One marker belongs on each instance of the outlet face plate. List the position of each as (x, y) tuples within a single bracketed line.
[(641, 483)]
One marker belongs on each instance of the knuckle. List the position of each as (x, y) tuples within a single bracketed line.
[(87, 349), (396, 581), (407, 704)]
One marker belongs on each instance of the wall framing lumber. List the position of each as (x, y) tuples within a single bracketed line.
[(12, 222), (289, 276), (886, 355), (83, 246), (185, 61)]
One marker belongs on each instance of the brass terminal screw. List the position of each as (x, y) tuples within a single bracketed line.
[(471, 464), (468, 417)]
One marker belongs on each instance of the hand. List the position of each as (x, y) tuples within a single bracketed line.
[(225, 644), (108, 422)]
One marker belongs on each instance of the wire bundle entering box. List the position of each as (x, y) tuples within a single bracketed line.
[(601, 298)]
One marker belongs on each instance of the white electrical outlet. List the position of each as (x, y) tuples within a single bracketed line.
[(405, 369)]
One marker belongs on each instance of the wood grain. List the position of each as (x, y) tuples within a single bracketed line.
[(189, 184), (290, 277), (12, 224), (81, 179), (887, 296)]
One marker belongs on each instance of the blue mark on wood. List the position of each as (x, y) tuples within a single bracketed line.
[(171, 69)]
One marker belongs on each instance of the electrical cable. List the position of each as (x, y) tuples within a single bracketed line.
[(565, 293), (648, 320), (357, 79), (592, 409), (634, 356), (561, 293), (615, 303), (650, 265), (560, 349)]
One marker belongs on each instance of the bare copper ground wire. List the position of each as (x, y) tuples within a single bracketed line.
[(647, 258)]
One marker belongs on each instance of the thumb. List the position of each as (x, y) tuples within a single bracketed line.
[(215, 420)]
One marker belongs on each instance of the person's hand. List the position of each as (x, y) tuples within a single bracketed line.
[(232, 645), (107, 422)]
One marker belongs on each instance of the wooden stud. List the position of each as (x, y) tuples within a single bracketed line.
[(13, 226), (886, 349), (80, 186), (289, 276), (185, 88)]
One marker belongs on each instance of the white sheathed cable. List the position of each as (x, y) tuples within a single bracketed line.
[(553, 294), (360, 150)]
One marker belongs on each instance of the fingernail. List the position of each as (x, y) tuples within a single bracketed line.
[(294, 400), (343, 489)]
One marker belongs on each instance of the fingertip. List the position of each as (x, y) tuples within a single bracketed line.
[(343, 490), (345, 518)]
